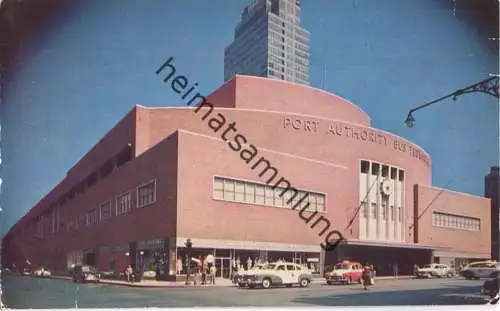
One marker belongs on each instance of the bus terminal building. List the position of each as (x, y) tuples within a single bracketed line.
[(165, 175)]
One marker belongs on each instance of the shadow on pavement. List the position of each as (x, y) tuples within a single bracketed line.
[(452, 295)]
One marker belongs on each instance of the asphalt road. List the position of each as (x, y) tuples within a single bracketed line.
[(28, 292)]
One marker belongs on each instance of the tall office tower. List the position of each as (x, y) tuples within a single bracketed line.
[(492, 191), (269, 42)]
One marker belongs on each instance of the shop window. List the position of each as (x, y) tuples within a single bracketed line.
[(365, 166)]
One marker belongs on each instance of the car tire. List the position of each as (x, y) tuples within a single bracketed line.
[(329, 282), (266, 283), (304, 283)]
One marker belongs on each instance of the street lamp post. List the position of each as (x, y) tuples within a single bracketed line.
[(189, 245), (488, 86)]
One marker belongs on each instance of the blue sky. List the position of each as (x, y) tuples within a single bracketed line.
[(82, 75)]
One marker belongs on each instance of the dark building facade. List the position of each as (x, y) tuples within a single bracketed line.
[(491, 191)]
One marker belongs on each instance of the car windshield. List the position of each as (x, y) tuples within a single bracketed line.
[(341, 267), (270, 266), (85, 268), (427, 266)]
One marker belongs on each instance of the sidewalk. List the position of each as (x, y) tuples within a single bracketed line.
[(155, 284)]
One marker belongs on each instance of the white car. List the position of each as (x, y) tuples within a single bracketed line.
[(435, 270), (42, 273), (241, 274), (279, 274), (481, 269)]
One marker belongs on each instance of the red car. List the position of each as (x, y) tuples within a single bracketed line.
[(345, 272)]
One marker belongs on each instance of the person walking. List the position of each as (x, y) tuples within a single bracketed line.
[(213, 270), (367, 276)]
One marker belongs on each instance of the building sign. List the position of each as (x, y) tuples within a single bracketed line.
[(354, 132)]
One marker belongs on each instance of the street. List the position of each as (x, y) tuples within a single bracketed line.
[(29, 292)]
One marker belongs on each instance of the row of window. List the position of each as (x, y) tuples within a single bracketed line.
[(146, 195), (384, 170), (385, 212), (233, 190), (446, 220)]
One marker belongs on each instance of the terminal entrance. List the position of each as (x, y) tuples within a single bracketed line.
[(223, 266)]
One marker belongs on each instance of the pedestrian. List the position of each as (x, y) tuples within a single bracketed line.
[(366, 276), (128, 273), (157, 275), (213, 270), (204, 270), (415, 270), (395, 270)]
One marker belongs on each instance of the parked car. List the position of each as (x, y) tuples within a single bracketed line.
[(84, 274), (239, 277), (481, 269), (435, 270), (26, 272), (345, 272), (42, 273), (279, 274)]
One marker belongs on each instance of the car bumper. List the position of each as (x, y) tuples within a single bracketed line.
[(336, 279)]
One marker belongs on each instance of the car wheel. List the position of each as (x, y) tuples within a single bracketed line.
[(329, 282), (266, 283), (304, 283)]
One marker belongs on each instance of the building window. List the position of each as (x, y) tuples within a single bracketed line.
[(91, 217), (124, 204), (364, 209), (384, 211), (146, 194), (374, 210), (232, 190), (105, 210), (446, 220)]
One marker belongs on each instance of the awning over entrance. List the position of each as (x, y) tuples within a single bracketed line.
[(248, 245), (461, 255), (395, 244)]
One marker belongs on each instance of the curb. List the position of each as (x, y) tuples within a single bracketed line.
[(139, 285)]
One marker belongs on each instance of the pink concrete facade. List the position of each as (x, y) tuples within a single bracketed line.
[(316, 140)]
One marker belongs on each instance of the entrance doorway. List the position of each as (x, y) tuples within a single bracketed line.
[(223, 266)]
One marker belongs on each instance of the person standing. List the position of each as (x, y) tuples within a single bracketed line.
[(213, 270), (395, 269)]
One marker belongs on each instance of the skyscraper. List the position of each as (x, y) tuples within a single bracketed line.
[(269, 42), (492, 191)]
